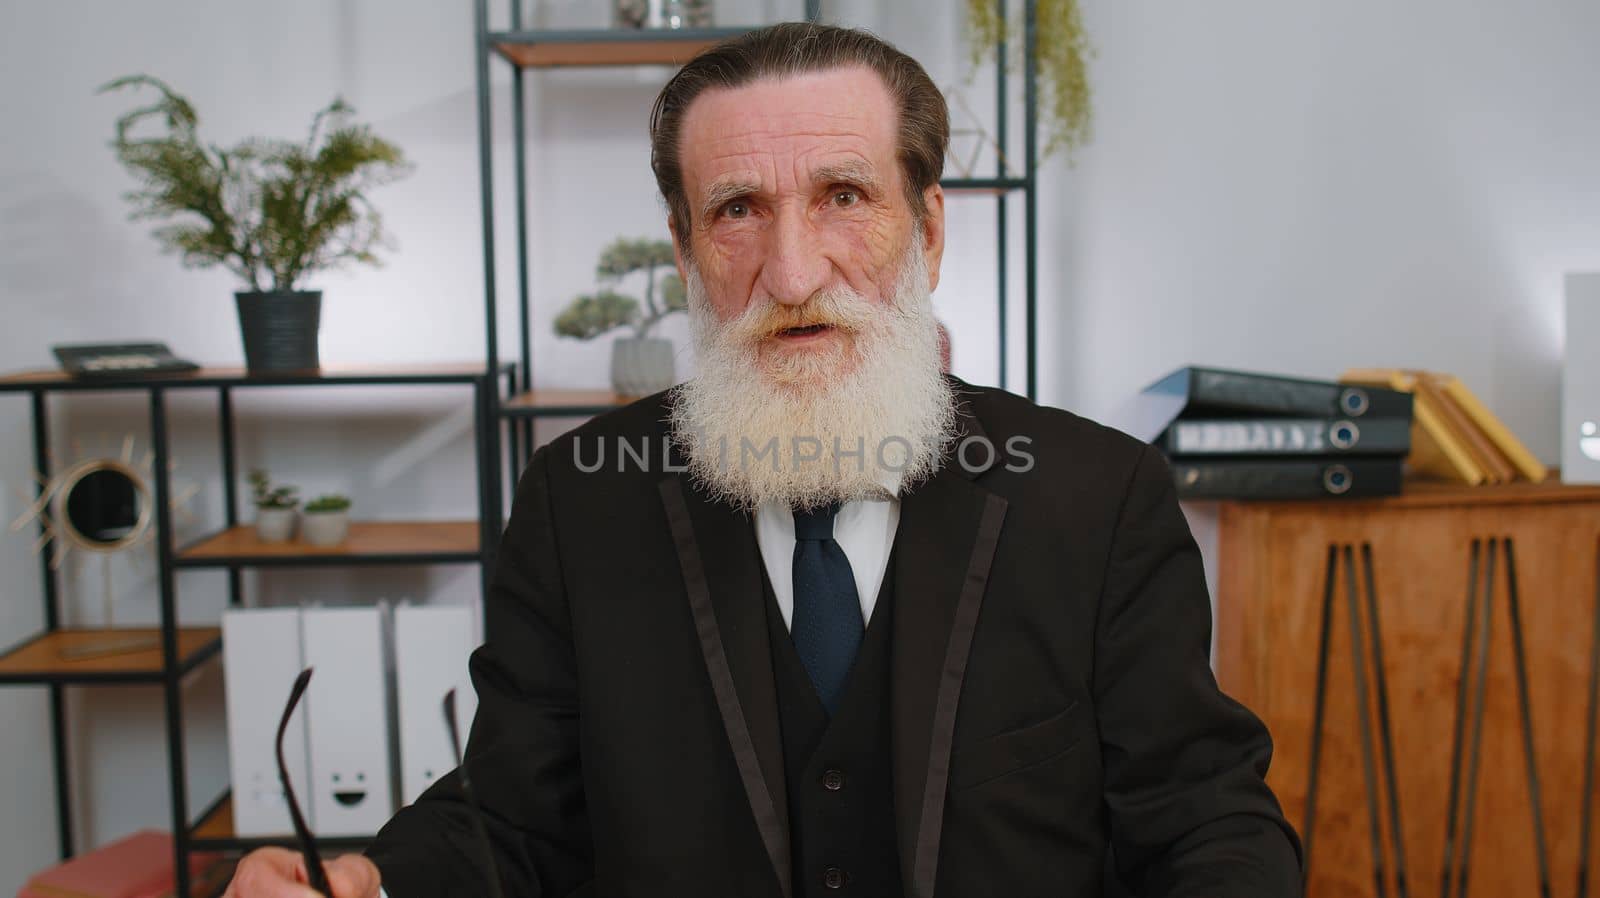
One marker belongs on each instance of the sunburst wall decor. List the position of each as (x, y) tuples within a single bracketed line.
[(103, 505)]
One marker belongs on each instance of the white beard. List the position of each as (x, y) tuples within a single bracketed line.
[(780, 425)]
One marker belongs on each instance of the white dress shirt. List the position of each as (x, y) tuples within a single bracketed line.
[(864, 529)]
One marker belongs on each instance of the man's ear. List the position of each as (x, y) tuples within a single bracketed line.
[(933, 232), (677, 250)]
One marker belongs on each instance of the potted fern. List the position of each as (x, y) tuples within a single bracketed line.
[(326, 521), (273, 212), (640, 364)]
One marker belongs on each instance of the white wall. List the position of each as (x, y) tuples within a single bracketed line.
[(1296, 187), (1305, 187), (1308, 187)]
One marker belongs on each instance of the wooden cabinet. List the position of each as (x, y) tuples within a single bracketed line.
[(1420, 764)]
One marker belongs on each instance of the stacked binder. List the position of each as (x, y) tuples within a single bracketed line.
[(1242, 435)]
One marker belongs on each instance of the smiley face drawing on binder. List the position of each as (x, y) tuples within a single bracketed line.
[(354, 789)]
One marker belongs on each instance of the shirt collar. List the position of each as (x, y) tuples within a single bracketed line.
[(890, 481)]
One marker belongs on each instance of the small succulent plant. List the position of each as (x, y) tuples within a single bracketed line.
[(268, 496), (328, 502)]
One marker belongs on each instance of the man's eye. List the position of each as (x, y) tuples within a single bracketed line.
[(846, 198), (736, 209)]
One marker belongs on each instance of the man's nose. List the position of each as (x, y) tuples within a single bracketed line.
[(796, 267)]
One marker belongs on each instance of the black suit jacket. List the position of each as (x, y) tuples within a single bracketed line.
[(1052, 700)]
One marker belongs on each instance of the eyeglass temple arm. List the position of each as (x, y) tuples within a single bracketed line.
[(316, 877)]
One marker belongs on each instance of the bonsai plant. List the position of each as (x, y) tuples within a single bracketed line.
[(1061, 52), (273, 212), (327, 520), (640, 364), (275, 507)]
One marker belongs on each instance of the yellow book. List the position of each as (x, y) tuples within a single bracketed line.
[(1435, 450), (1496, 468), (1495, 429)]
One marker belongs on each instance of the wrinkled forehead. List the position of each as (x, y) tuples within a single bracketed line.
[(781, 132)]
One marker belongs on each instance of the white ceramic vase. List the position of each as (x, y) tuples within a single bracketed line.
[(642, 365), (672, 14), (274, 525), (325, 528)]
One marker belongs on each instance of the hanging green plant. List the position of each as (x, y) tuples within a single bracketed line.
[(1061, 56)]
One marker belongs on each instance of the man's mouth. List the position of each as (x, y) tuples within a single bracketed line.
[(808, 330)]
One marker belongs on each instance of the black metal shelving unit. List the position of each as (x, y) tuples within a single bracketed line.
[(37, 660), (184, 649), (531, 49)]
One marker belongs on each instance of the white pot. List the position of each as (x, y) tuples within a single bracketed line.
[(274, 525), (641, 366), (662, 13), (325, 528)]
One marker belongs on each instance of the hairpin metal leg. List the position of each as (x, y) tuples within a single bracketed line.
[(1371, 748), (1308, 828), (1368, 765), (1519, 655), (1480, 692), (1385, 729)]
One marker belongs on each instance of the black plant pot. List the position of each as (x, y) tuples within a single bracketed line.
[(280, 330)]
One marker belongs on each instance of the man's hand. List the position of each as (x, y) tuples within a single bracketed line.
[(279, 873)]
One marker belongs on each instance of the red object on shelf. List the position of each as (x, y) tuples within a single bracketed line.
[(136, 866)]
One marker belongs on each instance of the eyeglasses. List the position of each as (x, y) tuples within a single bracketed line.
[(316, 876)]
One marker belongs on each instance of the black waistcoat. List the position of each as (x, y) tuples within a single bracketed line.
[(840, 780)]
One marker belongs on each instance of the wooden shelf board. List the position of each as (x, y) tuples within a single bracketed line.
[(368, 539), (40, 660), (551, 400), (215, 831), (55, 377), (602, 52)]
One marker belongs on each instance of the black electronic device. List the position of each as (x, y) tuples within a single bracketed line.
[(111, 360)]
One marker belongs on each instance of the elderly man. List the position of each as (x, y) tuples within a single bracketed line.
[(823, 620)]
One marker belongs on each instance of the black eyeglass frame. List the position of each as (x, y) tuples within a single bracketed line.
[(316, 875)]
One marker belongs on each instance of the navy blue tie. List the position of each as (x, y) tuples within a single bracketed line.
[(827, 626)]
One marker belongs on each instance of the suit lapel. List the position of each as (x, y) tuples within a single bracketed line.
[(946, 539), (724, 589)]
